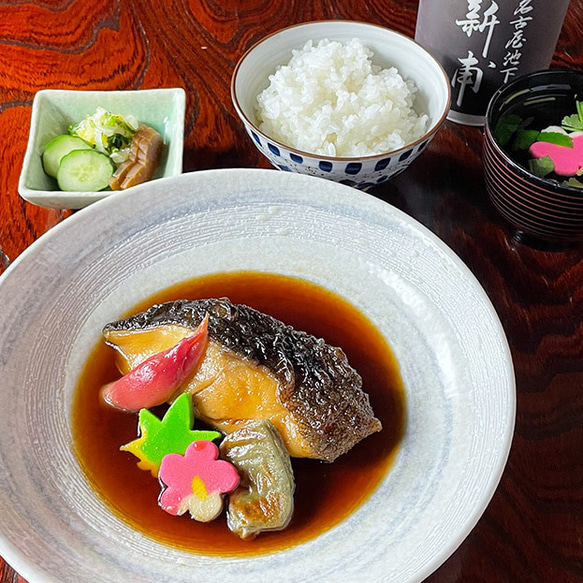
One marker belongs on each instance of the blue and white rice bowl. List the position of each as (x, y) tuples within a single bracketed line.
[(391, 49)]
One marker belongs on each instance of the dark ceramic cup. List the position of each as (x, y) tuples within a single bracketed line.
[(542, 208)]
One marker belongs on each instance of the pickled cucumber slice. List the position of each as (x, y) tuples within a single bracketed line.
[(59, 147), (85, 171)]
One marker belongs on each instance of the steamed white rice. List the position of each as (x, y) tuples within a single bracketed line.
[(331, 100)]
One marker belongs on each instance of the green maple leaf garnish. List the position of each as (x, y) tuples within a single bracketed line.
[(171, 434)]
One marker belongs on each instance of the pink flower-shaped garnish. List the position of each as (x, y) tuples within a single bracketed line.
[(196, 481)]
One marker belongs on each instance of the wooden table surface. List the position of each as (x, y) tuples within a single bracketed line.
[(533, 528)]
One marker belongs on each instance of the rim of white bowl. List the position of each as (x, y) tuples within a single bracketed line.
[(426, 136)]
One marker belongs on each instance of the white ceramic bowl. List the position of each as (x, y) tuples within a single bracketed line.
[(390, 48), (452, 353), (54, 110)]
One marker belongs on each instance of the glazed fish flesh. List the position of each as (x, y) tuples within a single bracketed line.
[(256, 367)]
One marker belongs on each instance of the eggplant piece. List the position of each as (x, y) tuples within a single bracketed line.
[(256, 367), (264, 499)]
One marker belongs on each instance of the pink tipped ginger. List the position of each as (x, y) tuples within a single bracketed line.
[(155, 380)]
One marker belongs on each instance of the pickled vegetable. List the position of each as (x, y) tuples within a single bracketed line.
[(142, 162), (57, 149), (85, 171)]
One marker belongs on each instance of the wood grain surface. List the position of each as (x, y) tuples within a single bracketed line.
[(533, 529)]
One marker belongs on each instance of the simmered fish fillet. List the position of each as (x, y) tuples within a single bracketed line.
[(256, 367)]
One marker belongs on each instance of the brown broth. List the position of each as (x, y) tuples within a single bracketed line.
[(325, 493)]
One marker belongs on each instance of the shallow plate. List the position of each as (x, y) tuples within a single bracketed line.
[(451, 348), (54, 110)]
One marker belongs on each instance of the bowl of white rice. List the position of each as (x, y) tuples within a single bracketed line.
[(347, 101)]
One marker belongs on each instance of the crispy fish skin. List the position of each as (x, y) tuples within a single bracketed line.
[(316, 385)]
